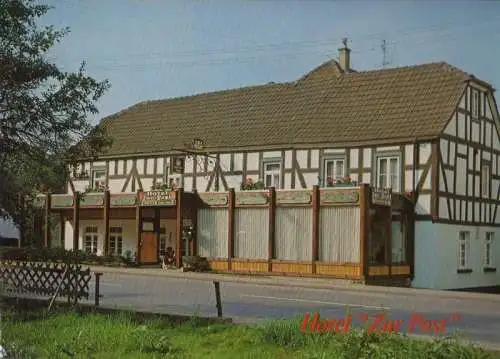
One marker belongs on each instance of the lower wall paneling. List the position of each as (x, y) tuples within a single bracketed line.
[(218, 264), (378, 270), (400, 270), (351, 270), (291, 267), (239, 265)]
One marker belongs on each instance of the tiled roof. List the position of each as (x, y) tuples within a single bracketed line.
[(325, 107)]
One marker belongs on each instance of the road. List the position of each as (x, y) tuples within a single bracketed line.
[(477, 320)]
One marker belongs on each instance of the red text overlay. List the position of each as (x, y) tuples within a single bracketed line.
[(378, 323)]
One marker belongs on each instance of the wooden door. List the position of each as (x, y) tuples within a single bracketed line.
[(149, 248)]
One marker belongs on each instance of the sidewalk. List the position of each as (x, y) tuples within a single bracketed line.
[(298, 282)]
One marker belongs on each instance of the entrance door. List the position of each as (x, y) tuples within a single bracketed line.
[(149, 248)]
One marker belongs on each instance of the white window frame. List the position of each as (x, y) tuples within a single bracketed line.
[(475, 103), (489, 250), (334, 161), (115, 240), (275, 175), (91, 234), (171, 178), (388, 158), (463, 249), (95, 183), (485, 180)]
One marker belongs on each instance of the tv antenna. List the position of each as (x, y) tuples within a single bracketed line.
[(385, 62)]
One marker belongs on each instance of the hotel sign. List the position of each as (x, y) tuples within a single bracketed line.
[(157, 198)]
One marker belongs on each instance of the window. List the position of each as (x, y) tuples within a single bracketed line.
[(272, 173), (388, 173), (488, 249), (98, 178), (485, 180), (464, 248), (172, 179), (166, 240), (333, 170), (475, 103), (90, 239), (115, 241)]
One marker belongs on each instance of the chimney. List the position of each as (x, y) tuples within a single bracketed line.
[(345, 57)]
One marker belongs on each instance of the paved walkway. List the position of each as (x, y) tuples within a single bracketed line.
[(298, 282)]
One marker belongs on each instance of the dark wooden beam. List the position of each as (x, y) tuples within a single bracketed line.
[(435, 156), (315, 227), (194, 220), (179, 194), (272, 228), (138, 227), (76, 220), (230, 236), (364, 230), (106, 222)]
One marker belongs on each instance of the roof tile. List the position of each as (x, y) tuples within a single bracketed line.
[(325, 106)]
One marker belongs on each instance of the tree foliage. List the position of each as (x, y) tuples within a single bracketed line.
[(43, 109)]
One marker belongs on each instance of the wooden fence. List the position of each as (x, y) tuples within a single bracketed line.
[(20, 277)]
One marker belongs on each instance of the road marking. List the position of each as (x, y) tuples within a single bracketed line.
[(111, 284), (317, 302)]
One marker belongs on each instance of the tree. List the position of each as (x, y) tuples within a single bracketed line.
[(43, 110)]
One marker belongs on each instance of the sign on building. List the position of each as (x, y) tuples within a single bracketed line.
[(177, 164)]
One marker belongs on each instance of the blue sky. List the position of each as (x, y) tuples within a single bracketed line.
[(155, 49)]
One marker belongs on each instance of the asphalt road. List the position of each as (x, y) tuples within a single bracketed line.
[(475, 319)]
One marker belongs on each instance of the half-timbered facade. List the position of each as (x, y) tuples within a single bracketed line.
[(428, 132)]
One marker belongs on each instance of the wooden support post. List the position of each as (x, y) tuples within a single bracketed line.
[(48, 199), (230, 236), (179, 194), (315, 227), (106, 222), (76, 220), (217, 299), (194, 220), (272, 228), (364, 229), (388, 241), (138, 226), (97, 288)]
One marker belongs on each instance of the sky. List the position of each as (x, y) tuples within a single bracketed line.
[(156, 49)]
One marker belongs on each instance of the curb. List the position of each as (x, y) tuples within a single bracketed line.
[(298, 283)]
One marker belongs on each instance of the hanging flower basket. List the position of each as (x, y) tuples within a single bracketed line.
[(250, 185), (161, 187), (410, 196), (345, 182)]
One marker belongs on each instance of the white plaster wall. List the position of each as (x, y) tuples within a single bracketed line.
[(115, 185), (437, 255), (68, 235), (301, 159), (311, 179), (253, 161), (128, 234), (314, 158)]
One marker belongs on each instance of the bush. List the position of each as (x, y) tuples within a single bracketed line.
[(47, 255), (195, 264)]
